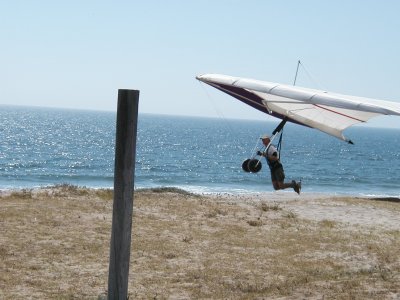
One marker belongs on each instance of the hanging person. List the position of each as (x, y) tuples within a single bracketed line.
[(277, 173)]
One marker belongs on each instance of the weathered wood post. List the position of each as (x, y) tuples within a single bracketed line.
[(124, 174)]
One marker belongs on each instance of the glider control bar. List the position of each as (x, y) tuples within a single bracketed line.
[(280, 126)]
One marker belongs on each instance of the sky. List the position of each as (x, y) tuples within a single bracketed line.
[(77, 54)]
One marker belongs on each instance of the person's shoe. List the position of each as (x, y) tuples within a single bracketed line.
[(294, 185), (297, 186)]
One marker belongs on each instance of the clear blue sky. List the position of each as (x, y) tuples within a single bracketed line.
[(77, 54)]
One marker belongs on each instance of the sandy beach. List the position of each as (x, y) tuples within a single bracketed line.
[(54, 243)]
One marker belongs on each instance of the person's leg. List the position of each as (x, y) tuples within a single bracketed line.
[(276, 185), (279, 181), (279, 176), (282, 185)]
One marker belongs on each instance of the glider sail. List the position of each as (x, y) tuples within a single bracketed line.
[(328, 112)]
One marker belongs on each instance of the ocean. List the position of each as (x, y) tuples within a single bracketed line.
[(42, 147)]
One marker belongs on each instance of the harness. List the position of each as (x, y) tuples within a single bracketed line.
[(273, 164), (253, 165), (278, 129)]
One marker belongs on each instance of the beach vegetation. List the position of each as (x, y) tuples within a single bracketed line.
[(327, 223), (55, 245), (269, 207), (290, 215), (22, 194), (166, 190), (255, 223)]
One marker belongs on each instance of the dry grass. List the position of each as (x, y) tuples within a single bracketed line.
[(54, 243)]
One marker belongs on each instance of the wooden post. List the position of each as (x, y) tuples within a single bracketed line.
[(124, 174)]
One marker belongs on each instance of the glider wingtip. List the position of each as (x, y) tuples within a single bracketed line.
[(202, 77)]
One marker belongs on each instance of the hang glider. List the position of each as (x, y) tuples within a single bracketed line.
[(328, 112)]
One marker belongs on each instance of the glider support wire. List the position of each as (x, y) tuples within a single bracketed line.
[(297, 70)]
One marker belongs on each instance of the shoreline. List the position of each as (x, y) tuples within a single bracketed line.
[(253, 194)]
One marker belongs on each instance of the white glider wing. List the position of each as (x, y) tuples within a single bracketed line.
[(328, 112)]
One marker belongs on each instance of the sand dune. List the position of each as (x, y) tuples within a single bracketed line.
[(54, 243)]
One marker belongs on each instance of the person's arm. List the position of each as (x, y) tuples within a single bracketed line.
[(261, 153)]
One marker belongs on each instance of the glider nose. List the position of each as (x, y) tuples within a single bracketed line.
[(200, 77)]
